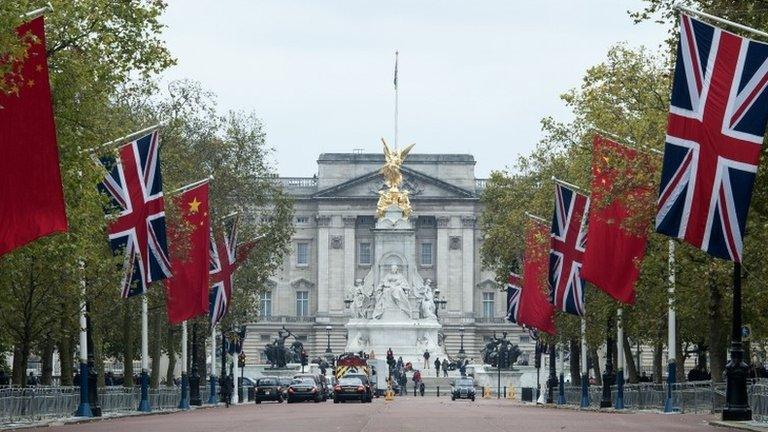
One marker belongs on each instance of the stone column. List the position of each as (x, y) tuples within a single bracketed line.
[(323, 226), (468, 263), (350, 249), (441, 251)]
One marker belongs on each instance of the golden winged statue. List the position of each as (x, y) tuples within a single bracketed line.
[(393, 178)]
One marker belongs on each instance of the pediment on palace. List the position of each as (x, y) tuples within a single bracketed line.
[(419, 185)]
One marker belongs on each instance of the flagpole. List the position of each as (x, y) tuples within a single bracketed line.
[(191, 185), (236, 386), (397, 55), (671, 330), (627, 141), (144, 403), (128, 138), (721, 20), (537, 218), (584, 369), (561, 380), (29, 16), (619, 359), (570, 185), (212, 396), (184, 402), (84, 409)]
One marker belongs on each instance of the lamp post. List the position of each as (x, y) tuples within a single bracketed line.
[(461, 348), (736, 371), (439, 303), (608, 375), (552, 380), (328, 338)]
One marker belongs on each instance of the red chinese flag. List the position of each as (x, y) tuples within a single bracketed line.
[(535, 310), (31, 196), (614, 250), (186, 292)]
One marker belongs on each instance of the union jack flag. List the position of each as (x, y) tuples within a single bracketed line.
[(222, 271), (514, 289), (715, 129), (134, 184), (569, 238)]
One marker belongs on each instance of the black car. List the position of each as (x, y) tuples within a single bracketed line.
[(322, 384), (349, 388), (463, 388), (284, 382), (304, 389), (268, 389), (366, 383)]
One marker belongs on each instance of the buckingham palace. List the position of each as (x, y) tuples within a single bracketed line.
[(333, 247)]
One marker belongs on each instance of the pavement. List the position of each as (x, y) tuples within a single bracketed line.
[(404, 414)]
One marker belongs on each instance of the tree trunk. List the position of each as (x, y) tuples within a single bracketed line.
[(128, 353), (65, 359), (680, 357), (631, 367), (170, 349), (575, 362), (47, 376), (658, 348), (717, 335), (596, 367), (201, 364), (155, 349), (98, 355), (17, 373)]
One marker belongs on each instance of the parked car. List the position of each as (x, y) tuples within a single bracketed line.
[(321, 382), (268, 389), (350, 388), (366, 383), (284, 382), (463, 388), (304, 389)]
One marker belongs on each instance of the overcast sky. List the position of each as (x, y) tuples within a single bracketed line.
[(475, 76)]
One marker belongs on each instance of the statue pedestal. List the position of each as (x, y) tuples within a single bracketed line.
[(488, 376), (407, 338)]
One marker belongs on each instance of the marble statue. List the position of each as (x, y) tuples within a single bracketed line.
[(391, 293), (426, 297), (362, 301)]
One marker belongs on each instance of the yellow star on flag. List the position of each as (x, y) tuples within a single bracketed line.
[(194, 205)]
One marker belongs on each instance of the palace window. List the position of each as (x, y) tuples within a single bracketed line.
[(302, 303), (426, 254), (488, 304), (364, 254), (525, 339), (265, 304), (302, 220), (302, 254)]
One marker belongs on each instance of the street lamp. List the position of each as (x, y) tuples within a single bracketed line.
[(328, 337), (347, 303), (461, 348), (439, 303)]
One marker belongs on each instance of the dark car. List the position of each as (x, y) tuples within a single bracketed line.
[(349, 388), (268, 389), (322, 384), (463, 388), (284, 382), (304, 389), (366, 383)]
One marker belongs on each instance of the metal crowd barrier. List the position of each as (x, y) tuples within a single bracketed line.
[(36, 403)]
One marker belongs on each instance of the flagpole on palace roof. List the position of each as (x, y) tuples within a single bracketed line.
[(570, 185), (721, 20), (397, 54), (37, 12)]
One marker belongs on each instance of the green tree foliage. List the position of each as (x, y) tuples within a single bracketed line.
[(104, 59)]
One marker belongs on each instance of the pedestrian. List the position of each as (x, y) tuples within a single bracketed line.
[(32, 379), (437, 367), (462, 368), (422, 387), (426, 359), (416, 381), (445, 367), (4, 380), (400, 362)]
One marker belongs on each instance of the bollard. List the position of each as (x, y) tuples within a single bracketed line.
[(438, 391), (415, 389), (505, 392)]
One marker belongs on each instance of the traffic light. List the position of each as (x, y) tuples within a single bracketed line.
[(304, 358), (241, 360)]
